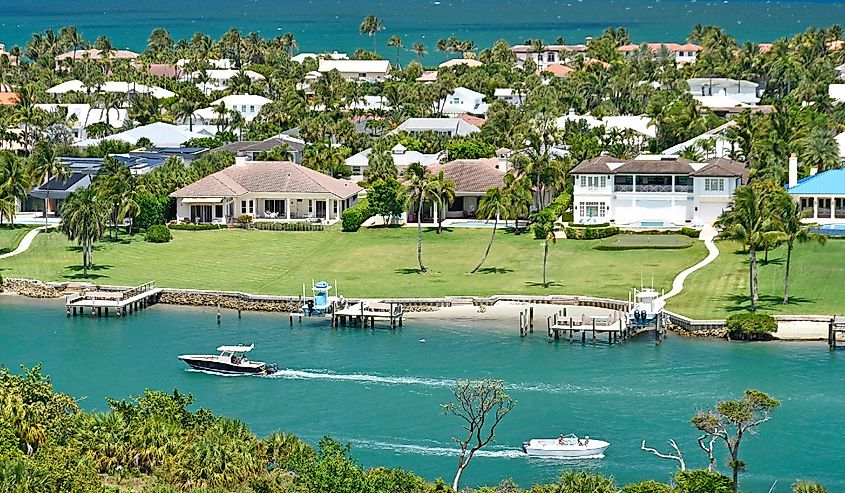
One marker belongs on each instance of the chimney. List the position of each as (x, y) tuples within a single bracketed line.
[(503, 164), (240, 160), (793, 170), (814, 170)]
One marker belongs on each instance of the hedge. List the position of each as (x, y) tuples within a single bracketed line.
[(751, 326), (352, 218), (196, 227), (691, 232), (591, 233), (158, 233), (598, 225), (279, 226)]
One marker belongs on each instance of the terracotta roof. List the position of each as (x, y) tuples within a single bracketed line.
[(472, 120), (9, 98), (557, 70), (471, 175), (270, 177), (655, 47)]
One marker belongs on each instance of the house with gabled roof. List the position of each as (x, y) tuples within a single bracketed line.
[(654, 191), (265, 190)]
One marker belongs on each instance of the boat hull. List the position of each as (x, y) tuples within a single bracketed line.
[(551, 449), (255, 368)]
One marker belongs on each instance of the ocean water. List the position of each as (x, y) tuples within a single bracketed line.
[(381, 390), (321, 25)]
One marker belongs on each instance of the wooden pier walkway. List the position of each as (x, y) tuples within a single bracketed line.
[(119, 302), (612, 328), (365, 314), (837, 327)]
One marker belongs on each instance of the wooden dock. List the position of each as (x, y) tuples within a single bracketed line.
[(365, 314), (612, 328), (837, 327), (102, 303)]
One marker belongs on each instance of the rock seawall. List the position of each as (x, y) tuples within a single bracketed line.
[(30, 288), (230, 301), (713, 333)]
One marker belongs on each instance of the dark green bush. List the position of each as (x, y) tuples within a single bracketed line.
[(702, 481), (153, 209), (158, 233), (691, 232), (351, 219), (591, 233), (295, 226), (195, 227), (649, 486), (599, 225), (751, 326)]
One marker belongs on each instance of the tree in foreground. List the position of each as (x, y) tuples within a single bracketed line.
[(493, 205), (45, 163), (84, 219), (544, 229), (791, 228), (481, 404), (586, 482), (385, 198), (442, 194), (808, 487), (730, 421), (418, 189)]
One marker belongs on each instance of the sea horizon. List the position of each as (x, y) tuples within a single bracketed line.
[(327, 25)]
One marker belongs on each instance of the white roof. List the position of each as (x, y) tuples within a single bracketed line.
[(236, 349), (355, 66), (715, 132), (401, 158), (716, 83), (160, 134), (592, 121), (67, 86), (503, 92), (719, 101), (300, 58), (460, 61), (218, 63), (455, 126), (464, 93), (836, 92), (638, 123), (226, 74), (86, 115), (243, 99), (112, 86), (840, 139)]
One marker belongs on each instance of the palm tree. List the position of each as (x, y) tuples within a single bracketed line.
[(111, 185), (790, 228), (749, 220), (494, 205), (289, 43), (418, 190), (419, 50), (545, 228), (443, 192), (518, 193), (396, 41), (84, 218), (820, 150), (45, 163), (15, 182), (370, 26)]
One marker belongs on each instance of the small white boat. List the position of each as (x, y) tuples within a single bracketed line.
[(567, 447)]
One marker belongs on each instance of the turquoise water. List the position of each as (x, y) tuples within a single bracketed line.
[(333, 24), (381, 390)]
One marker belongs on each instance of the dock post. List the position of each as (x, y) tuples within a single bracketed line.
[(531, 318), (291, 319), (564, 311), (583, 335), (594, 331), (239, 310), (218, 313), (67, 309), (831, 335)]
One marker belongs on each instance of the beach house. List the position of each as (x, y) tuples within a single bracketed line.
[(265, 190), (682, 53), (546, 55), (654, 191), (449, 127), (821, 195), (357, 70), (462, 100), (248, 105)]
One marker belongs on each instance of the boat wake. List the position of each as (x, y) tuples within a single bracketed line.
[(220, 373), (435, 451), (359, 377)]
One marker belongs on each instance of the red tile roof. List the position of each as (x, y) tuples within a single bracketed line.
[(472, 120), (9, 98), (471, 175)]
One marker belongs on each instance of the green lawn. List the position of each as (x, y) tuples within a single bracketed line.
[(630, 242), (11, 237), (378, 262), (817, 282)]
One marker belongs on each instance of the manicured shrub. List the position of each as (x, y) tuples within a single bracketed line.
[(702, 481), (295, 226), (649, 486), (195, 227), (751, 326), (591, 233), (245, 221), (158, 233), (352, 218), (597, 225), (691, 232)]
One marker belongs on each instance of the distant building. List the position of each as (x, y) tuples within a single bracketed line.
[(742, 91), (357, 70), (301, 57), (95, 54), (640, 124), (548, 54), (359, 163), (509, 96), (463, 100), (716, 138), (128, 88), (822, 195), (251, 149), (159, 133), (449, 127), (457, 62), (218, 79), (654, 191), (248, 105), (81, 115), (682, 53)]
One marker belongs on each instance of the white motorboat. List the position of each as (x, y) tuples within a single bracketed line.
[(231, 360), (648, 305), (566, 447)]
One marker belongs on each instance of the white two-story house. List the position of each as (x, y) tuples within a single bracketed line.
[(463, 100), (248, 105), (652, 191)]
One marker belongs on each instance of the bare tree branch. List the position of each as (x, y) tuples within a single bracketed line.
[(679, 456)]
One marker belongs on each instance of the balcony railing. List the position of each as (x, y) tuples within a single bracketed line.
[(654, 188), (823, 212), (839, 213), (683, 188), (623, 188)]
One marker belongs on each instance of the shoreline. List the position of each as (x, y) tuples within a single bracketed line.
[(810, 328)]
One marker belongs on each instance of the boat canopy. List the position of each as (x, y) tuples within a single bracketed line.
[(236, 349), (321, 286)]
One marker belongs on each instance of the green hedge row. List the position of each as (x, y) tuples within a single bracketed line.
[(591, 233), (295, 226), (351, 219), (691, 232), (196, 227), (598, 225)]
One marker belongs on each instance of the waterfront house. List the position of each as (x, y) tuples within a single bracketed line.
[(821, 195), (458, 62), (449, 127), (81, 115), (653, 190), (547, 54), (159, 133), (682, 53), (357, 70), (509, 96), (463, 100), (95, 54), (265, 190), (248, 105), (402, 158), (472, 177), (251, 149)]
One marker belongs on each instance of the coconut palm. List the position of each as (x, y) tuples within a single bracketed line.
[(370, 26), (495, 205), (790, 228), (544, 228), (419, 50), (289, 43), (396, 41), (518, 193), (45, 163), (443, 192), (418, 190), (84, 219), (111, 184), (15, 182), (820, 150)]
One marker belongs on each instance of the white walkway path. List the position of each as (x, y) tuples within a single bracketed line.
[(708, 234), (24, 244)]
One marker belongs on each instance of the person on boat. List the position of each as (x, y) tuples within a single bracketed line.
[(586, 440), (560, 440), (580, 443)]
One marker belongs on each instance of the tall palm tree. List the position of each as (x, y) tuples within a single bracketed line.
[(84, 218), (15, 182), (442, 190), (790, 228), (820, 150), (46, 163), (289, 43), (396, 41), (370, 26), (518, 193), (419, 189), (419, 50), (749, 220), (545, 229), (111, 185), (494, 205)]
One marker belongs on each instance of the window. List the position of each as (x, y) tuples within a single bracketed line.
[(550, 57), (252, 108), (592, 209), (362, 75), (218, 210), (274, 206), (334, 206), (806, 202), (310, 206), (593, 182), (714, 185), (243, 206)]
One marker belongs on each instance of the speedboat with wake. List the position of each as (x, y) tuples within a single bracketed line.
[(231, 360), (566, 447)]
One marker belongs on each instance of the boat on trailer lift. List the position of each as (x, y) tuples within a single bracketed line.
[(648, 306), (321, 301)]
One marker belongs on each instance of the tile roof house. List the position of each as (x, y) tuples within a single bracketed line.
[(357, 70), (250, 149), (271, 190), (683, 53), (95, 54), (654, 191)]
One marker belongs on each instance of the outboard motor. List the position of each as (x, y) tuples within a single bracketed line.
[(272, 368)]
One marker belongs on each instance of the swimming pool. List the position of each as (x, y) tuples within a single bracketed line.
[(472, 223), (831, 229), (650, 224)]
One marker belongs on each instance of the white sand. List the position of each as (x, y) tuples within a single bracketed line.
[(802, 331), (504, 311)]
